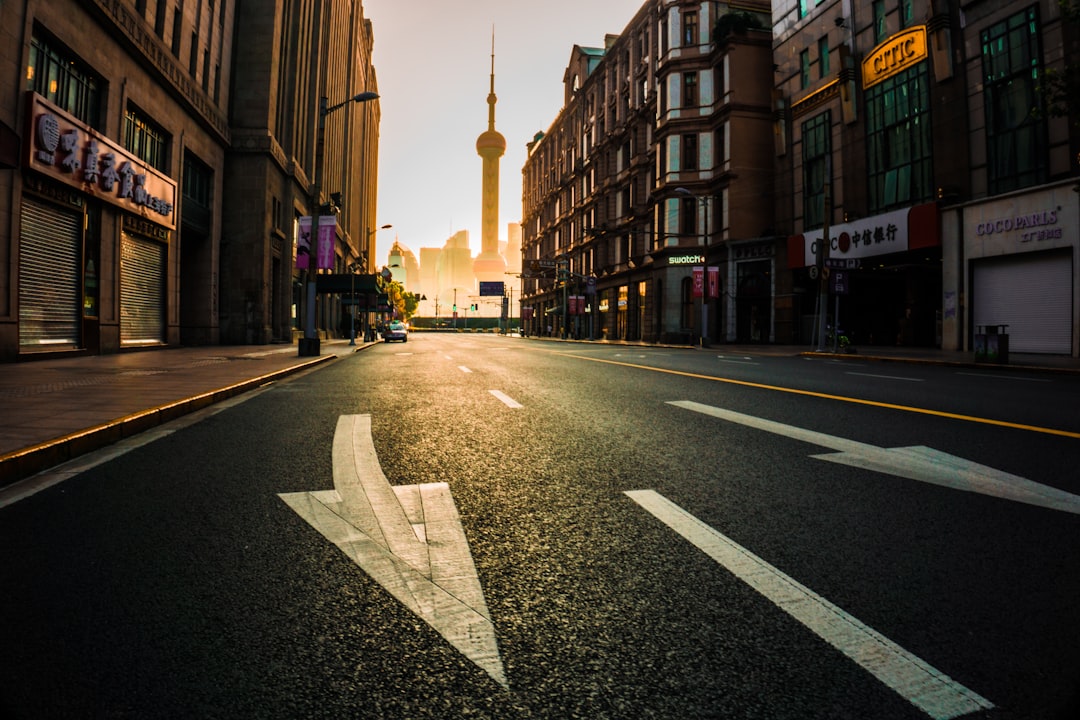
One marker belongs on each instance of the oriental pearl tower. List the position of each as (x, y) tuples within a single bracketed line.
[(489, 265)]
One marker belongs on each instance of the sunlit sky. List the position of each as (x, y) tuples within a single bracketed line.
[(433, 62)]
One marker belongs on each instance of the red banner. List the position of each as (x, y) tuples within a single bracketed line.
[(699, 281), (714, 282)]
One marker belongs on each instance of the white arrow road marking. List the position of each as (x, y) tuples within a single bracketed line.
[(914, 463), (506, 399), (930, 690), (408, 538)]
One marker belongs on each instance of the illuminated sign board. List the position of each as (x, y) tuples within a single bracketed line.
[(895, 55), (686, 260), (72, 153)]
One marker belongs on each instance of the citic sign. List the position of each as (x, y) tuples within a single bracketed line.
[(895, 55)]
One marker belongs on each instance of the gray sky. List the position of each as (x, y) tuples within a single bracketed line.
[(433, 61)]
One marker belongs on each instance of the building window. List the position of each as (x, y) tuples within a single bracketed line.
[(177, 27), (690, 89), (687, 216), (64, 81), (880, 32), (898, 140), (690, 28), (816, 149), (804, 8), (145, 140), (686, 314), (804, 69), (159, 18), (690, 151), (823, 57), (907, 13), (1016, 139)]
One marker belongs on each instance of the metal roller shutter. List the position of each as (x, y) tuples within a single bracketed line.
[(1032, 293), (142, 291), (50, 251)]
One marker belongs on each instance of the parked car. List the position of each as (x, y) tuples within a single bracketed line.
[(396, 331)]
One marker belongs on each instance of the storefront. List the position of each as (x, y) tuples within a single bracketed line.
[(1018, 258), (86, 199), (884, 277)]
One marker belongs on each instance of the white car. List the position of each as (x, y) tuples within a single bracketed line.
[(396, 331)]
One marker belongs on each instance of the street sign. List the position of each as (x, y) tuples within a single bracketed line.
[(840, 282), (842, 263), (495, 289)]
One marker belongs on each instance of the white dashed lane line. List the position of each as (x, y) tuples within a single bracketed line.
[(506, 399)]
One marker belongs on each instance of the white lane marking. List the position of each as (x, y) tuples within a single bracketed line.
[(887, 377), (914, 463), (408, 538), (403, 354), (464, 369), (737, 360), (924, 686), (507, 400), (448, 357), (1005, 377)]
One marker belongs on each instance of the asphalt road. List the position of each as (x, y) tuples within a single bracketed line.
[(173, 581)]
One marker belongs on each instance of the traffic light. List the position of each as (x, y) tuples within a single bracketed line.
[(473, 307)]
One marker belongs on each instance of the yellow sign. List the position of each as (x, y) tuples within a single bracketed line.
[(895, 55)]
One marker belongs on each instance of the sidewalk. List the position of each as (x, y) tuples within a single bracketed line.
[(57, 409), (54, 410)]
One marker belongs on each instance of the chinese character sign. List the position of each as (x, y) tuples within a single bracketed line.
[(74, 154)]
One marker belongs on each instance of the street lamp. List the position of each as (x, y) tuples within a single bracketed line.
[(705, 267), (309, 344)]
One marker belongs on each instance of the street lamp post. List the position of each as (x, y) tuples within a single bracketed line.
[(309, 344), (705, 266)]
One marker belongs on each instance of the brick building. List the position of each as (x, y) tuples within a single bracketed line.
[(647, 204)]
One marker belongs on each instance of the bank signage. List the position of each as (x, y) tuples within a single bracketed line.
[(69, 152), (895, 55), (877, 235)]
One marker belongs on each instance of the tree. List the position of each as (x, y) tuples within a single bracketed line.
[(403, 302)]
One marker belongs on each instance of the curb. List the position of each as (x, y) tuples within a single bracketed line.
[(20, 464)]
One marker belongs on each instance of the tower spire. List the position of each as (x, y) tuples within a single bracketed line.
[(491, 99)]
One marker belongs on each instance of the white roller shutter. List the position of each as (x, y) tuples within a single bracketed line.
[(142, 291), (50, 252), (1032, 294)]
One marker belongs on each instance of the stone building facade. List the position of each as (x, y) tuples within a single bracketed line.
[(289, 55), (154, 165), (110, 196)]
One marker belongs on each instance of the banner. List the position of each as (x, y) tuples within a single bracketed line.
[(714, 282), (327, 235), (699, 281)]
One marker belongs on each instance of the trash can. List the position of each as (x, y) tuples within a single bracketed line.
[(992, 344)]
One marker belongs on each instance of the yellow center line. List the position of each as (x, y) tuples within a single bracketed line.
[(840, 398)]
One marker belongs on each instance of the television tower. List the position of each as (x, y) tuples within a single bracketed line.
[(489, 265)]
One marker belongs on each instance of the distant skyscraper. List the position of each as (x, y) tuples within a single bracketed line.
[(489, 265)]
